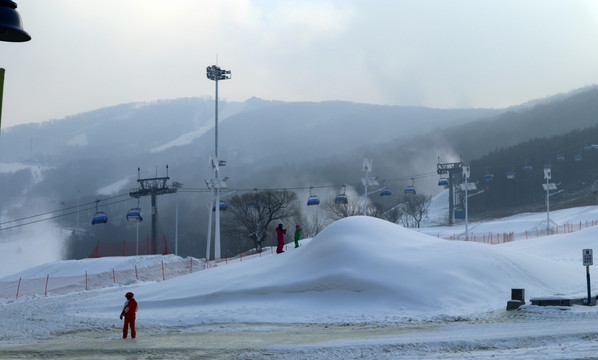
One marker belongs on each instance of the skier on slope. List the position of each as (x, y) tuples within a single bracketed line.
[(297, 235), (129, 312), (280, 232)]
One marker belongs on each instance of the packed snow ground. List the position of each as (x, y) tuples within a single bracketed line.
[(362, 288)]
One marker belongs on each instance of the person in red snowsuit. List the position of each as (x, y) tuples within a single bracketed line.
[(280, 232), (129, 312)]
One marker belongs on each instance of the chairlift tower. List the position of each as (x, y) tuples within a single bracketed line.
[(153, 187), (454, 171), (367, 167)]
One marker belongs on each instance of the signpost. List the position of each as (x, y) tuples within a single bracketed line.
[(587, 261)]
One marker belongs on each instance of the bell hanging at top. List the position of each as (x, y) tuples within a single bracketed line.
[(11, 26)]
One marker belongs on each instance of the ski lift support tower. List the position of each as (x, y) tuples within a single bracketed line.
[(454, 172), (153, 187)]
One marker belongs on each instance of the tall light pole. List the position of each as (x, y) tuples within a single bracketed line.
[(367, 167), (177, 185), (216, 74), (548, 187)]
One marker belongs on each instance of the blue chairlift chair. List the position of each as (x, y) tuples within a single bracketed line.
[(100, 217), (134, 214), (222, 206)]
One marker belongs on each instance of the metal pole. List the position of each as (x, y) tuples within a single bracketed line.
[(176, 228), (217, 201), (589, 291), (1, 90), (365, 195), (154, 239), (466, 210), (548, 208), (137, 248), (209, 237)]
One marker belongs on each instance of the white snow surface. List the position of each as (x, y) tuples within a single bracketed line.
[(362, 271)]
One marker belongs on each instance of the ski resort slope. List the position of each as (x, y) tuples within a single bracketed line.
[(361, 272), (358, 267)]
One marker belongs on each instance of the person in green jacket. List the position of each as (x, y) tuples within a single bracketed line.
[(297, 235)]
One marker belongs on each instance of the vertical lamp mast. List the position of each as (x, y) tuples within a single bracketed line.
[(216, 74)]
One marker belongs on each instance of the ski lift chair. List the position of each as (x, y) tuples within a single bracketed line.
[(134, 214), (222, 206), (100, 217), (313, 199)]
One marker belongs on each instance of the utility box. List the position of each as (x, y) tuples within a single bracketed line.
[(517, 299), (518, 294)]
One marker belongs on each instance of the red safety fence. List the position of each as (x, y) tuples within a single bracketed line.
[(128, 248), (54, 285), (66, 284), (500, 238)]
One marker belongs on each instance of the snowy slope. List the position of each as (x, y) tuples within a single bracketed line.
[(359, 270)]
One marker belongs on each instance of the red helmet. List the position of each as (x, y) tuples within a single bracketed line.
[(129, 295)]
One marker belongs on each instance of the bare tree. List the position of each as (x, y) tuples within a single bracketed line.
[(255, 211), (416, 207), (339, 211)]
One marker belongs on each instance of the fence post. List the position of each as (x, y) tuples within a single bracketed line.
[(113, 275), (136, 274), (46, 291), (163, 277), (85, 279), (191, 266), (18, 287)]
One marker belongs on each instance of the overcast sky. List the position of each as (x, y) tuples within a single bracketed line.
[(90, 54)]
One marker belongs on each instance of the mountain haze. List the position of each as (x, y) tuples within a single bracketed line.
[(267, 144)]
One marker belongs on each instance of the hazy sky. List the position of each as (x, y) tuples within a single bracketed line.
[(89, 54)]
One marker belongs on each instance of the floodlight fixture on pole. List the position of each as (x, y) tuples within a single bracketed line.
[(216, 74), (11, 25)]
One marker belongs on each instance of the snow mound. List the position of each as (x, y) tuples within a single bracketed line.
[(358, 266)]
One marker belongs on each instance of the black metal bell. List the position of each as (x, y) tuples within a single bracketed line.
[(11, 26)]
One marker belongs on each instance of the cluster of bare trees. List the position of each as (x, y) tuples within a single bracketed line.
[(251, 218)]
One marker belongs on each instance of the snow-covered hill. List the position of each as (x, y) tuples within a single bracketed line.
[(358, 270)]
